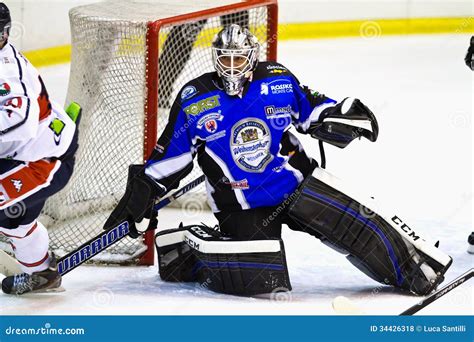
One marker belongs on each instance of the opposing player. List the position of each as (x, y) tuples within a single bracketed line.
[(258, 177), (469, 55), (469, 59), (37, 145)]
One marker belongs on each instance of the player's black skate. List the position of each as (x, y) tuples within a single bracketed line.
[(470, 241), (42, 281)]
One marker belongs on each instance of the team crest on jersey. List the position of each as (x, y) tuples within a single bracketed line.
[(5, 89), (188, 92), (211, 126), (250, 145), (209, 121)]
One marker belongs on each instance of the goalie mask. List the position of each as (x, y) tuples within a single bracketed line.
[(5, 23), (235, 55)]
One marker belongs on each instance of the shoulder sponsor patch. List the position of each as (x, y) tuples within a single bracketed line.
[(188, 92), (250, 145), (276, 69)]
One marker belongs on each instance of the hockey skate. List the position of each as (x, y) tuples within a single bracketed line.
[(48, 280), (470, 241)]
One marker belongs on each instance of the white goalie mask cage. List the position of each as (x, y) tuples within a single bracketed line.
[(235, 55)]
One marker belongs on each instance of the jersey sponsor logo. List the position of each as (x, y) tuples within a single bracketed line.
[(203, 105), (216, 136), (283, 86), (57, 126), (5, 89), (188, 92), (277, 112), (6, 60), (17, 184), (250, 145), (242, 184)]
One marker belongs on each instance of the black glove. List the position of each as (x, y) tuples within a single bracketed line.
[(137, 203), (468, 59), (344, 122)]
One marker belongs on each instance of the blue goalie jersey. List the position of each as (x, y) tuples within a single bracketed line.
[(242, 143)]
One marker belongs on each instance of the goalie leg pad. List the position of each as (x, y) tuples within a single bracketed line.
[(220, 263), (372, 244), (175, 258)]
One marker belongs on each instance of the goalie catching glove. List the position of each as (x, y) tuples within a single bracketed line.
[(137, 203), (341, 124)]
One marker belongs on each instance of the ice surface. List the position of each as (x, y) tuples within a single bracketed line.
[(422, 94)]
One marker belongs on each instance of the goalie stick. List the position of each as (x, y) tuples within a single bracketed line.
[(345, 306), (9, 266), (439, 293)]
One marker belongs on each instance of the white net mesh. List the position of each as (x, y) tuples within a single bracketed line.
[(108, 79)]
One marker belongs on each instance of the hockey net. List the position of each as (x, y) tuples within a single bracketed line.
[(129, 60)]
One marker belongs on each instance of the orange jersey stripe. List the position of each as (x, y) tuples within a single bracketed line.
[(27, 178)]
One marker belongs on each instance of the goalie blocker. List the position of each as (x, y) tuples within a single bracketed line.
[(381, 246), (201, 254)]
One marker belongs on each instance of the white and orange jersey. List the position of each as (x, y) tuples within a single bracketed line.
[(32, 127)]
